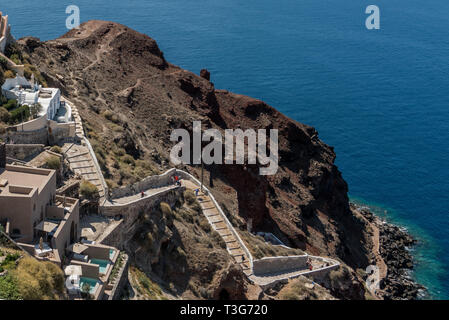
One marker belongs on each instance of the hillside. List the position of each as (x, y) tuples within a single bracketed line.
[(130, 99)]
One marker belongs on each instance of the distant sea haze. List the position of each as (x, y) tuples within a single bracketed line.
[(378, 96)]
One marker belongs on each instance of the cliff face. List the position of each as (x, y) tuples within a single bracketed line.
[(107, 68)]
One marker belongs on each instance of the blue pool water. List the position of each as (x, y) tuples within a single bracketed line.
[(380, 97), (111, 253), (102, 263), (91, 282)]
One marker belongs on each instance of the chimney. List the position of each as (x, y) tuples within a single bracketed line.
[(2, 155)]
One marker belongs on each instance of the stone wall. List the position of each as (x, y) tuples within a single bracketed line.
[(115, 238), (122, 276), (147, 183), (130, 211), (43, 135), (279, 264), (26, 137), (33, 125), (23, 151), (60, 131)]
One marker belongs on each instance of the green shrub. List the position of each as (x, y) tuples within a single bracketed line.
[(128, 159), (88, 190), (10, 104), (8, 288), (190, 197), (120, 152), (53, 162), (15, 58), (4, 115), (39, 280), (165, 209), (9, 74), (22, 112), (56, 149), (111, 116), (204, 224)]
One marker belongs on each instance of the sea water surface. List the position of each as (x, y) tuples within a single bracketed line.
[(379, 96)]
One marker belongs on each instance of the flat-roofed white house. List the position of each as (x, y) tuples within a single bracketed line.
[(52, 112), (29, 93)]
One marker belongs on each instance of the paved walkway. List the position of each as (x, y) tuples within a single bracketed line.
[(147, 194)]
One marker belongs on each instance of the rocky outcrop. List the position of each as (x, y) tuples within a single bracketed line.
[(204, 73), (395, 244)]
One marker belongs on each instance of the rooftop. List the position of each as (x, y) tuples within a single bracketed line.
[(18, 180)]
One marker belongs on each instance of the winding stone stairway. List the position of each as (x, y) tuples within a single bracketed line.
[(218, 224), (80, 159), (81, 163)]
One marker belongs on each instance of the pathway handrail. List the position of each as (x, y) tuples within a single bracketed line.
[(231, 227), (98, 168)]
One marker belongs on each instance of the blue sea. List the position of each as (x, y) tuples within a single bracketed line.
[(381, 97)]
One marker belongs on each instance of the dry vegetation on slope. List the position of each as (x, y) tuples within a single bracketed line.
[(178, 247), (23, 277), (130, 98)]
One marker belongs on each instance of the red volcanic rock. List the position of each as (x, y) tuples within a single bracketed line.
[(205, 74), (107, 66)]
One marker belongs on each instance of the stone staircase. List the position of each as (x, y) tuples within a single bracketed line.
[(77, 154), (81, 162), (218, 224)]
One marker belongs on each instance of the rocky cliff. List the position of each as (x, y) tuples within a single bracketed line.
[(131, 98)]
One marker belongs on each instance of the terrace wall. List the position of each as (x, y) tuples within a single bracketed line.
[(12, 136), (130, 211), (89, 270), (122, 277), (23, 151), (97, 251), (269, 265), (145, 184)]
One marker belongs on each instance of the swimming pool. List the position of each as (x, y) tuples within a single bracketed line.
[(91, 282), (102, 263), (111, 253)]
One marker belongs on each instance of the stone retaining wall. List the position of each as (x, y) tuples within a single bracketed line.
[(145, 184), (23, 151), (122, 280), (279, 264), (26, 137), (115, 238), (130, 211)]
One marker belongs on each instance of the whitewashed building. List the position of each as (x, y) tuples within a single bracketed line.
[(29, 93)]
